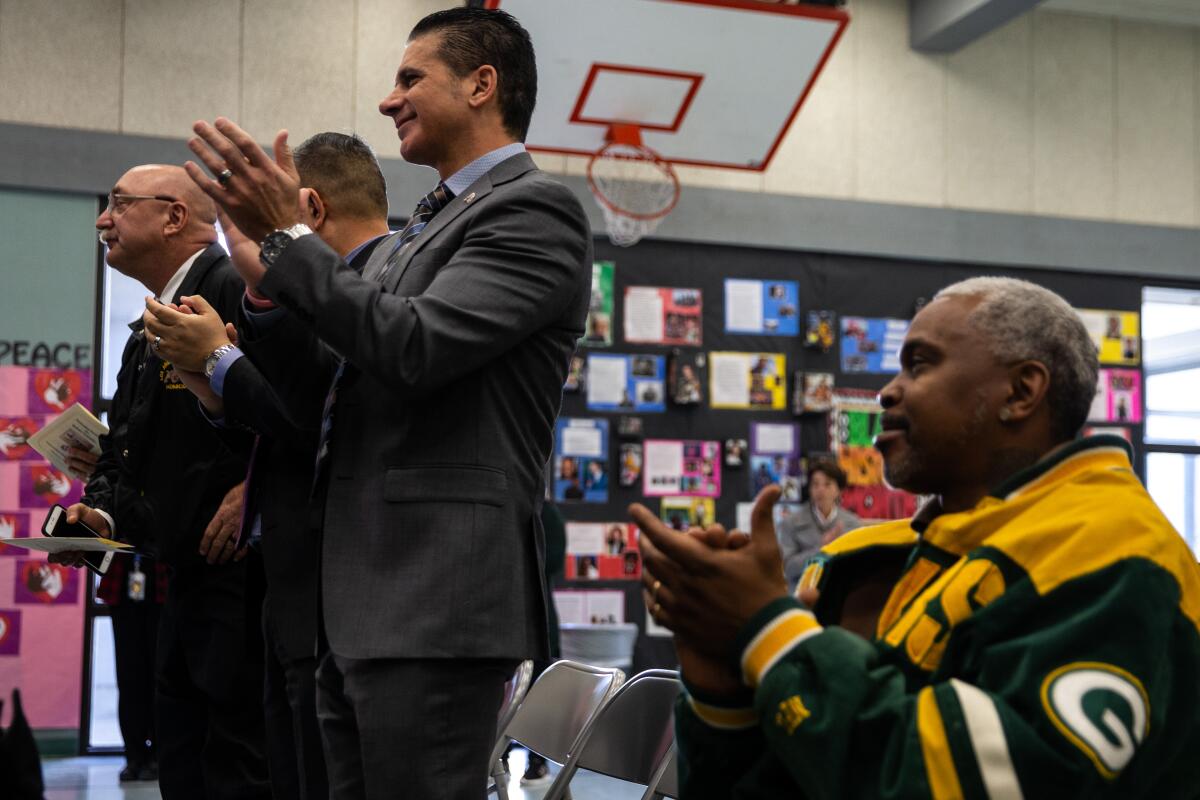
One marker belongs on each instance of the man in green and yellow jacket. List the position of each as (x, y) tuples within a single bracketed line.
[(1032, 632)]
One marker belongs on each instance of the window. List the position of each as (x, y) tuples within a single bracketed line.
[(1171, 334)]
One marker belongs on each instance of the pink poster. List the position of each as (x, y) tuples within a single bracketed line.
[(13, 525), (10, 632)]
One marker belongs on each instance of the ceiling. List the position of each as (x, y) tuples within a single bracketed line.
[(1169, 12)]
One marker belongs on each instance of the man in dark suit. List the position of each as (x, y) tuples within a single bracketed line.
[(455, 342), (344, 201), (168, 484)]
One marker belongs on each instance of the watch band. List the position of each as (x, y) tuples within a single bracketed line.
[(214, 358)]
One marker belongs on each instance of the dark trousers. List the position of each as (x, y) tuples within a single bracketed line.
[(294, 753), (401, 728), (210, 679), (135, 635)]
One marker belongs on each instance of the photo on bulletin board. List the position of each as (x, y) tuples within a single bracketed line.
[(626, 383), (1118, 396), (602, 551), (762, 307), (581, 460), (657, 315), (775, 458), (682, 513), (747, 380), (631, 463), (685, 377), (819, 330), (812, 392), (590, 607), (598, 329), (1116, 334), (576, 375), (872, 345), (674, 467), (13, 525)]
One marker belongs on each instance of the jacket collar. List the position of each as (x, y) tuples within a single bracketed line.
[(956, 533), (507, 170)]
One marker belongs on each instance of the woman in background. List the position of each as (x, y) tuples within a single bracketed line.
[(818, 522)]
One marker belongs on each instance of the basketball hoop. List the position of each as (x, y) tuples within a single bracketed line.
[(634, 187)]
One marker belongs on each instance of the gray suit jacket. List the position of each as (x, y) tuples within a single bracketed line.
[(432, 544)]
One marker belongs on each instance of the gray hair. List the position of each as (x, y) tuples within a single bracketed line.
[(1026, 322)]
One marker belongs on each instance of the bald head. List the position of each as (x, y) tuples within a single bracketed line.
[(172, 181)]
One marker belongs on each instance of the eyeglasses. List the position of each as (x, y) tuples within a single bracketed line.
[(118, 203)]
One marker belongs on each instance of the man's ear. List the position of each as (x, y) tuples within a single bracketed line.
[(483, 85), (1029, 381), (313, 207), (177, 218)]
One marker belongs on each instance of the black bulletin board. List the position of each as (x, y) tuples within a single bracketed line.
[(846, 284)]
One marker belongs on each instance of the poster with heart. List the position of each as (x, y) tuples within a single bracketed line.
[(10, 632), (42, 583), (14, 438), (13, 525), (52, 391), (41, 486)]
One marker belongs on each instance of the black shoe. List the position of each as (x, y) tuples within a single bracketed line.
[(537, 772), (148, 772), (130, 773)]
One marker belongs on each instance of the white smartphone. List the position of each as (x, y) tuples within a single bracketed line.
[(56, 525)]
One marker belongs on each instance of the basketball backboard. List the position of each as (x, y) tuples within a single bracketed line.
[(711, 83)]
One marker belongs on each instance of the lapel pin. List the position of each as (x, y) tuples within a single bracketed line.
[(467, 200)]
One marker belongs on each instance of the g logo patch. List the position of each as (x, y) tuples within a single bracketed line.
[(1101, 709)]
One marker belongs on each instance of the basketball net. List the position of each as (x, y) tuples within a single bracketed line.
[(634, 187)]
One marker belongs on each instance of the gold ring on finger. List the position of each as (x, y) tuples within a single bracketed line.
[(654, 591)]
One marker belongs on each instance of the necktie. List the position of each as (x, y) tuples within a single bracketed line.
[(427, 208)]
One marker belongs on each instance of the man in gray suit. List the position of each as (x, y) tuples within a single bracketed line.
[(455, 344)]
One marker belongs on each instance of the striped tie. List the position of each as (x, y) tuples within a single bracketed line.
[(426, 210)]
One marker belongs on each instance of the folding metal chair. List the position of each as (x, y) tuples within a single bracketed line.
[(666, 778), (514, 693), (630, 736), (556, 713)]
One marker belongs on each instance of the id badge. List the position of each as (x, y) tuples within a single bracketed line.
[(137, 581)]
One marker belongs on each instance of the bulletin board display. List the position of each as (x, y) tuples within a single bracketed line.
[(817, 341)]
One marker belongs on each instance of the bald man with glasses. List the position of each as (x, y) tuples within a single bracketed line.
[(167, 482)]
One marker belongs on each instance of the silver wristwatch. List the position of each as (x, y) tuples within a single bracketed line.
[(277, 241), (210, 363)]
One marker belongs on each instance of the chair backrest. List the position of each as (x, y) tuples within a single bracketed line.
[(630, 736), (666, 779), (514, 693), (606, 645), (558, 708)]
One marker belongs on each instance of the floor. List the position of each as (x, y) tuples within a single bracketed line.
[(95, 778)]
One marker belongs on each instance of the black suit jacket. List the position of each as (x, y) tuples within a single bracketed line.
[(444, 422), (281, 481), (163, 470)]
